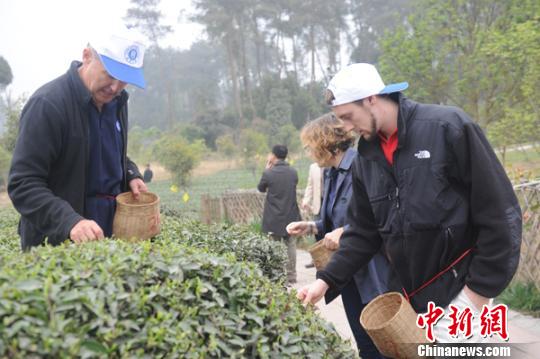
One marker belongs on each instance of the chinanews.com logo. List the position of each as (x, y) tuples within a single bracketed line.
[(463, 351), (459, 326)]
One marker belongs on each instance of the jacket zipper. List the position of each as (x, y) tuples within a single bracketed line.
[(449, 236), (381, 198)]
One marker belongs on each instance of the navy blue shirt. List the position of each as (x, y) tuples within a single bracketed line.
[(105, 165)]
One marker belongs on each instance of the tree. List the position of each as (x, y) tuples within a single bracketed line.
[(5, 74), (254, 147), (193, 90), (289, 136), (279, 109), (441, 51), (516, 49), (225, 145), (145, 16), (179, 157), (141, 143), (13, 114), (370, 20)]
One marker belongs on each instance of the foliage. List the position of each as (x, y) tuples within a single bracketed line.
[(523, 297), (162, 299), (11, 130), (5, 160), (254, 146), (279, 109), (240, 241), (179, 156), (226, 146), (443, 51), (370, 21), (9, 239), (513, 51), (180, 86), (6, 76), (289, 136), (145, 16), (141, 143)]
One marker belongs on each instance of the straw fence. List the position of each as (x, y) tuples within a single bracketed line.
[(246, 206)]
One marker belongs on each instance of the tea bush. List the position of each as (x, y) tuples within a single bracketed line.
[(244, 243), (162, 299), (9, 239)]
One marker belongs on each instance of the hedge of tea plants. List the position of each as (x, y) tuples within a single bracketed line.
[(246, 245), (166, 298)]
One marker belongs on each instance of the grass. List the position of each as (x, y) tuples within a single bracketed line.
[(522, 165), (214, 185), (524, 297)]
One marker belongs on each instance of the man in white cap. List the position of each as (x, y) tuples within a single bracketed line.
[(70, 157), (428, 187)]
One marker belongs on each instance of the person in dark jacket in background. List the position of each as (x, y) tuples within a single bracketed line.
[(148, 174), (279, 181), (70, 158), (428, 187), (329, 144)]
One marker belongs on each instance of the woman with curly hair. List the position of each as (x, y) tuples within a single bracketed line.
[(329, 144)]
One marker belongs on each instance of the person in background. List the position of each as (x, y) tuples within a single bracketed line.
[(429, 189), (70, 159), (311, 203), (312, 199), (279, 181), (329, 144), (148, 174)]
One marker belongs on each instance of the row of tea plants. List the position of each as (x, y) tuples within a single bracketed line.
[(193, 292)]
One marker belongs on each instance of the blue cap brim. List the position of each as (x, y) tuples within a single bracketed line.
[(124, 73), (394, 88)]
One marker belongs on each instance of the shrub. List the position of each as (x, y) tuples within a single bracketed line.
[(9, 239), (524, 297), (179, 156), (162, 299)]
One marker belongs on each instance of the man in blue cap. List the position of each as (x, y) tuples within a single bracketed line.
[(70, 158), (429, 189)]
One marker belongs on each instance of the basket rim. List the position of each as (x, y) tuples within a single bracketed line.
[(125, 194), (380, 326)]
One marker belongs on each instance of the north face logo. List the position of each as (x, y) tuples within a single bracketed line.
[(422, 154)]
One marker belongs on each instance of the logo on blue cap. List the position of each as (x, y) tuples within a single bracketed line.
[(131, 54)]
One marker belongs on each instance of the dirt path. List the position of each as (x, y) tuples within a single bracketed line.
[(205, 168)]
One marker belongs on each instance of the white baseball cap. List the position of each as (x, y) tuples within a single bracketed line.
[(358, 81), (122, 53)]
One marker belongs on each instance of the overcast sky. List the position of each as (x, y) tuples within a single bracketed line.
[(40, 38)]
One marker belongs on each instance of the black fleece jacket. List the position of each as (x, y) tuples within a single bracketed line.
[(47, 179), (445, 193)]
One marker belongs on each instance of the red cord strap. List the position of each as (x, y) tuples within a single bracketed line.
[(434, 278)]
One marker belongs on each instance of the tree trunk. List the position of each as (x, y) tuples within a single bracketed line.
[(312, 48), (245, 71), (234, 78), (257, 49), (295, 57)]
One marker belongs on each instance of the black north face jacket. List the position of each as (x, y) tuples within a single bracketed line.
[(445, 193)]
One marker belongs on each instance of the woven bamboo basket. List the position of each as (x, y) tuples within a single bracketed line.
[(320, 254), (390, 321), (136, 219)]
